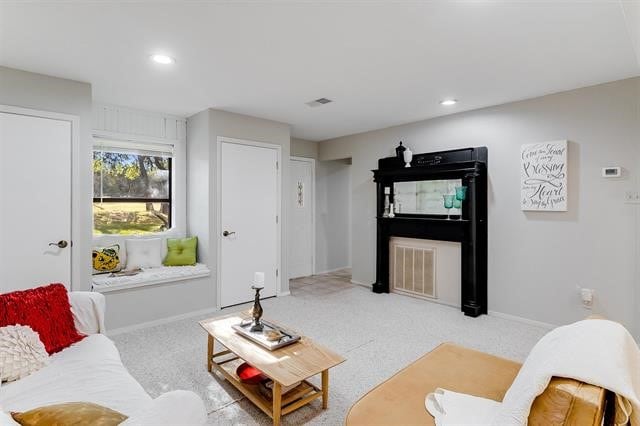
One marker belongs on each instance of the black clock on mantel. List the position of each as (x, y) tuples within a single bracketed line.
[(466, 167)]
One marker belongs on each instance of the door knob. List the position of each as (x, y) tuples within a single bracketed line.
[(60, 244), (227, 233)]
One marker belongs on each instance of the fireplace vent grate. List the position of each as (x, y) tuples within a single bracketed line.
[(413, 270)]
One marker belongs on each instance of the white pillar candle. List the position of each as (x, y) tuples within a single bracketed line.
[(258, 279)]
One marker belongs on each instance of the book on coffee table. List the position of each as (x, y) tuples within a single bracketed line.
[(266, 388)]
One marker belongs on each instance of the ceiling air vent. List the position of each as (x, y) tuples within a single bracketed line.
[(318, 102)]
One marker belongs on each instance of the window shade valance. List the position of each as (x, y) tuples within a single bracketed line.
[(133, 147)]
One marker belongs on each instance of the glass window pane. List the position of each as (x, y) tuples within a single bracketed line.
[(130, 218), (129, 175)]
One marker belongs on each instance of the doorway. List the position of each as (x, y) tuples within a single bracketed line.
[(249, 219), (35, 189), (301, 217)]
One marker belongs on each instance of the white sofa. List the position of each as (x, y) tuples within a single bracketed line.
[(91, 371)]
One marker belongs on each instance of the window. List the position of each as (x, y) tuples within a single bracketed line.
[(131, 187)]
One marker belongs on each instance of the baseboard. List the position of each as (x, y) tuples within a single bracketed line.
[(160, 321), (436, 301), (361, 284), (523, 320), (284, 293), (331, 270), (491, 313), (428, 299)]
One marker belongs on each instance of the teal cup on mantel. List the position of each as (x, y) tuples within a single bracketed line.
[(448, 203), (461, 195)]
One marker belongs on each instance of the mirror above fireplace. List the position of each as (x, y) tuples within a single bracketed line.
[(424, 196)]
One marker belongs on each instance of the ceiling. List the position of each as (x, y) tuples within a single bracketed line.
[(382, 63)]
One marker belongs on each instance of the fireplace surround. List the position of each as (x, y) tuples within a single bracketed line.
[(469, 228)]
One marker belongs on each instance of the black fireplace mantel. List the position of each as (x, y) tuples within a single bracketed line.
[(470, 165)]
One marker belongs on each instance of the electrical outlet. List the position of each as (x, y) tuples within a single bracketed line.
[(586, 295), (632, 197)]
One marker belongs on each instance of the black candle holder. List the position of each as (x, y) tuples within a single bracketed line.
[(400, 149), (257, 311)]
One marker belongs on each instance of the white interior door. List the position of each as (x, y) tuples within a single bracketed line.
[(301, 201), (35, 197), (249, 205)]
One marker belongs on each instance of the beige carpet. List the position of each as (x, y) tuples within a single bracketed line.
[(378, 334)]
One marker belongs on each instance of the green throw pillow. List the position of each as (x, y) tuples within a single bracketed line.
[(181, 251)]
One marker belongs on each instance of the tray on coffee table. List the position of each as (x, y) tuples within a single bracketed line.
[(260, 337)]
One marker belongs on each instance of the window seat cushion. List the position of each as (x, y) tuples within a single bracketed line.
[(149, 276)]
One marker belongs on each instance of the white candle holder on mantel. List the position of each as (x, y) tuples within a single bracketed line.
[(391, 213)]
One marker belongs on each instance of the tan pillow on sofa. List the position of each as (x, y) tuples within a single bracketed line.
[(70, 414), (568, 402)]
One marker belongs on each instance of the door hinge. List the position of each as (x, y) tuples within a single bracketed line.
[(276, 218), (277, 166), (276, 272)]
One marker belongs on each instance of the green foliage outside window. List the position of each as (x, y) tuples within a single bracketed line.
[(132, 193)]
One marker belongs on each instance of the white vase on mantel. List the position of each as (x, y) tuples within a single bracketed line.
[(408, 156)]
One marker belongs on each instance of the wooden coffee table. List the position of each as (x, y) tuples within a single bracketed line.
[(285, 366)]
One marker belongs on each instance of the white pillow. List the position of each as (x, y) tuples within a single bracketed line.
[(144, 253), (21, 352)]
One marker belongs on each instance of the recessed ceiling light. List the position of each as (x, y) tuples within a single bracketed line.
[(448, 102), (163, 59)]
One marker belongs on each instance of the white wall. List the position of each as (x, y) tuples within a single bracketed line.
[(199, 182), (333, 213), (41, 92), (203, 130), (535, 259), (123, 123), (304, 148)]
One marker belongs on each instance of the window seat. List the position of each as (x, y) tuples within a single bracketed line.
[(152, 276)]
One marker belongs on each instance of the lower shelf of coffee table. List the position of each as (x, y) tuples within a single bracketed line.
[(227, 363)]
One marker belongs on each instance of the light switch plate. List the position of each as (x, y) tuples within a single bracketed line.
[(632, 197), (612, 172)]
